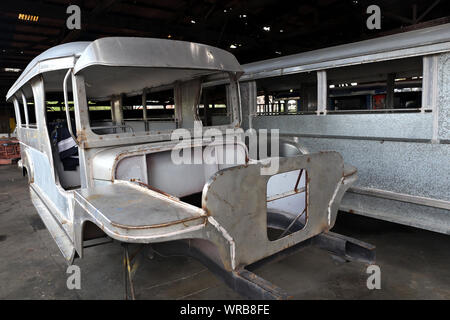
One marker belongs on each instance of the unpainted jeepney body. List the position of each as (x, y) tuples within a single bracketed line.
[(126, 183)]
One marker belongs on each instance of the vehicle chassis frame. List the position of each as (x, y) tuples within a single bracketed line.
[(243, 280)]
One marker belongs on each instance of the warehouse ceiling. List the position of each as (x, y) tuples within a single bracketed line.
[(252, 30)]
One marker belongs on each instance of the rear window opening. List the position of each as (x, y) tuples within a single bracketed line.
[(159, 113), (287, 197)]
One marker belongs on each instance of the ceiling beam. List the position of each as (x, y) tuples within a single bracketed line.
[(427, 11), (122, 21)]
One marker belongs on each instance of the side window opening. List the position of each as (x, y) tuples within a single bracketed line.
[(289, 94), (387, 86), (100, 117), (22, 112), (161, 110), (133, 115), (380, 86), (56, 111), (31, 108), (27, 107), (214, 108), (64, 148)]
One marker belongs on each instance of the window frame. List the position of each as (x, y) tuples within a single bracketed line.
[(429, 92)]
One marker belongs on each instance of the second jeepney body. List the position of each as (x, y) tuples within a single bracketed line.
[(126, 182)]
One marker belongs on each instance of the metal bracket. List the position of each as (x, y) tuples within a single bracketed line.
[(129, 269)]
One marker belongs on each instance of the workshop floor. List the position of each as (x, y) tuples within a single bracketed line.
[(414, 263)]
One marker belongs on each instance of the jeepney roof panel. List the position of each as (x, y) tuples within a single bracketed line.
[(56, 58), (156, 53), (130, 52)]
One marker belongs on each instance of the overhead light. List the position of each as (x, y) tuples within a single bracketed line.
[(266, 28), (12, 69), (27, 17), (332, 86), (233, 46), (193, 21)]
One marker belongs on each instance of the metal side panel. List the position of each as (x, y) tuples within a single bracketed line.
[(237, 199), (62, 240), (424, 217)]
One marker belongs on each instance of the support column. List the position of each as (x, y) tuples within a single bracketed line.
[(117, 111), (248, 103), (390, 85), (25, 109), (441, 111), (430, 82), (144, 108), (322, 92)]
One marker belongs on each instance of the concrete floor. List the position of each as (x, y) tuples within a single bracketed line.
[(414, 263)]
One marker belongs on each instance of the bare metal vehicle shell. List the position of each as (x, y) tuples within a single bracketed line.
[(402, 157), (117, 172)]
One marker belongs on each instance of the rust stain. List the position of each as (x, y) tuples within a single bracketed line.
[(208, 213), (350, 173), (81, 137), (160, 225), (93, 197), (156, 190)]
